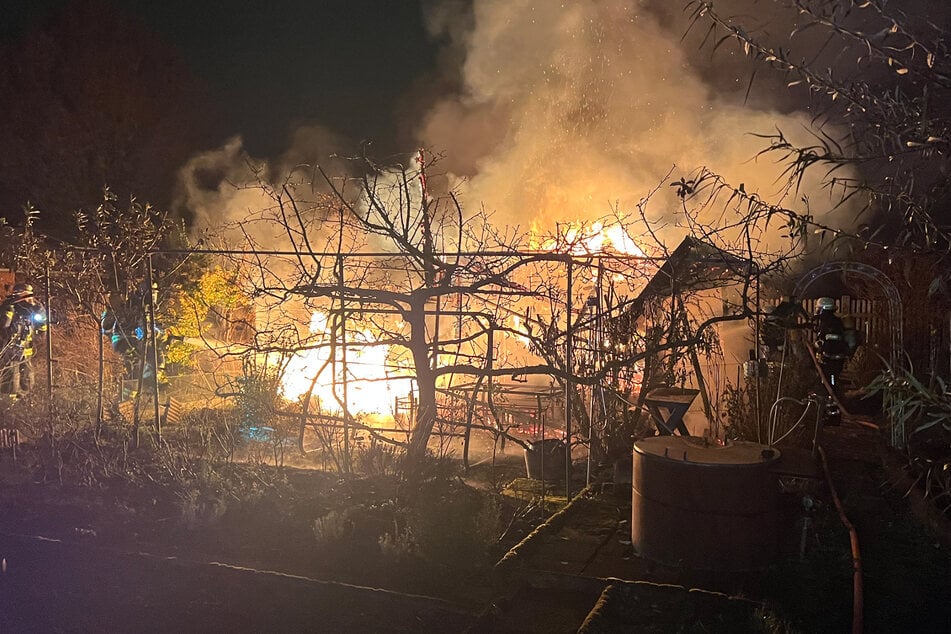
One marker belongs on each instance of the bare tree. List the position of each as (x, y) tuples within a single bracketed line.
[(397, 260), (452, 297), (107, 268)]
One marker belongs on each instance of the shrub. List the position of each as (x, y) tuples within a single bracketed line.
[(910, 405), (453, 524)]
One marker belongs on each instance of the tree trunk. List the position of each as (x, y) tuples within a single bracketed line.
[(425, 387)]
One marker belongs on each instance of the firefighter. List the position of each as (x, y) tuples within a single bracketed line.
[(126, 324), (22, 317), (785, 316), (119, 329), (144, 348), (832, 349), (150, 296)]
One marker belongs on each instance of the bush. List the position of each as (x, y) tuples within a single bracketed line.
[(911, 406), (453, 524), (377, 459), (789, 421)]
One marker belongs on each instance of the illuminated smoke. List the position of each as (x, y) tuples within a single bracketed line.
[(221, 187), (570, 108), (565, 111)]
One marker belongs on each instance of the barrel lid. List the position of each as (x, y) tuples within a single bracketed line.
[(702, 451)]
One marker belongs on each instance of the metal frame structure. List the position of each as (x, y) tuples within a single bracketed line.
[(574, 320), (570, 261), (872, 274)]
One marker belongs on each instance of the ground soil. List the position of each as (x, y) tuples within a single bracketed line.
[(117, 557), (106, 558), (807, 587)]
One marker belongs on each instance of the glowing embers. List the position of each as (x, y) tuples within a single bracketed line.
[(372, 385), (580, 238)]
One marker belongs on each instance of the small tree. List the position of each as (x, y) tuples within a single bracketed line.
[(108, 268)]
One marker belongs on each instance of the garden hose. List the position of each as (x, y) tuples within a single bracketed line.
[(857, 591), (857, 587)]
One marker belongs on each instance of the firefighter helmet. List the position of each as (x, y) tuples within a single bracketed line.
[(825, 303), (22, 290)]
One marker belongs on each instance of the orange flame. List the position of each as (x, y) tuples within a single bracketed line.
[(580, 238), (371, 388)]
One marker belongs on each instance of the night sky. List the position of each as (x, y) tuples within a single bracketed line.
[(346, 64), (340, 62)]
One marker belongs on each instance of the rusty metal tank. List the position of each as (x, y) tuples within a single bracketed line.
[(545, 459), (704, 506)]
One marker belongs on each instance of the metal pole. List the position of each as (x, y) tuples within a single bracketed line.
[(596, 345), (544, 488), (346, 391), (154, 353), (100, 380), (756, 344), (49, 354), (568, 382), (343, 368)]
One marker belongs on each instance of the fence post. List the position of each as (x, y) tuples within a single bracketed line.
[(49, 355)]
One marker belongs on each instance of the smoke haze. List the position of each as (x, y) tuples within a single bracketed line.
[(562, 112), (569, 108)]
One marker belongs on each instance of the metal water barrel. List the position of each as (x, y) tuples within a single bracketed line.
[(546, 459), (704, 506)]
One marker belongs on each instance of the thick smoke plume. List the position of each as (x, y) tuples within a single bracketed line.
[(226, 187), (565, 111), (570, 108)]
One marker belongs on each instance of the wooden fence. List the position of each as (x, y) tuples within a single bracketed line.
[(871, 317)]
